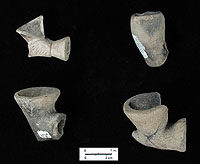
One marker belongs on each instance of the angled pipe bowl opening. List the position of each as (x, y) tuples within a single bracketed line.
[(150, 118), (38, 105), (39, 45)]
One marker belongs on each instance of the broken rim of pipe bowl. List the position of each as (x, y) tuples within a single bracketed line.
[(151, 120), (143, 107), (148, 30), (38, 106)]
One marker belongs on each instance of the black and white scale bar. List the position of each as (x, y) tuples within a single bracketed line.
[(98, 154)]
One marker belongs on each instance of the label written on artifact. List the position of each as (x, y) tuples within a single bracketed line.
[(140, 47), (43, 134)]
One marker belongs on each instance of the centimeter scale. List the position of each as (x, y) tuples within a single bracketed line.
[(98, 154)]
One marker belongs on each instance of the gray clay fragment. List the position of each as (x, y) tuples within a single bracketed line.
[(33, 33), (148, 30), (38, 105), (150, 118)]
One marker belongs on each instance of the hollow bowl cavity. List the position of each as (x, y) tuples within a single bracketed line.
[(37, 92), (145, 101)]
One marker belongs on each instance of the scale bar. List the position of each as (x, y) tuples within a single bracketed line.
[(98, 154)]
